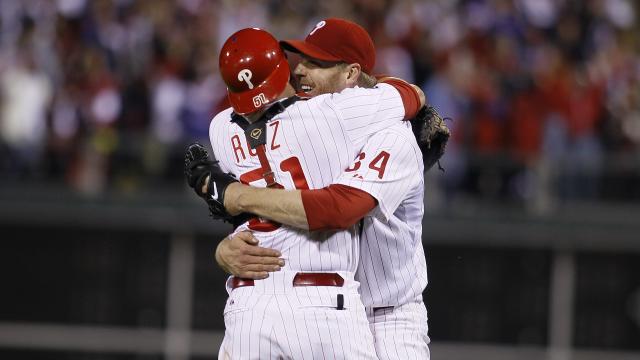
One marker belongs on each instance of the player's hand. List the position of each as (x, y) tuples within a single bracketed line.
[(207, 179), (241, 256)]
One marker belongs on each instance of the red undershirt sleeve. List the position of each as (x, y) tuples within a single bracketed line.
[(410, 98), (336, 207)]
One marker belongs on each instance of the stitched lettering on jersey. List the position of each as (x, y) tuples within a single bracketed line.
[(379, 164), (275, 126), (357, 163), (236, 145), (239, 143)]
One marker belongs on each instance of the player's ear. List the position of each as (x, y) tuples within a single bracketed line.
[(353, 74)]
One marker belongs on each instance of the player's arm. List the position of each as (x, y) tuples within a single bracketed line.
[(334, 207), (387, 158), (364, 112), (391, 100), (386, 169), (413, 98)]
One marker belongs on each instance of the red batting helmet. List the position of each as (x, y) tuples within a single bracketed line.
[(254, 68)]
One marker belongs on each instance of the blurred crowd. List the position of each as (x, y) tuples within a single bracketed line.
[(543, 95)]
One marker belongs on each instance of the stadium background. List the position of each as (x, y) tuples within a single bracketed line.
[(531, 233)]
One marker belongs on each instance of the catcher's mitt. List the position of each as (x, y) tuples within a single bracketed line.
[(200, 172), (432, 135)]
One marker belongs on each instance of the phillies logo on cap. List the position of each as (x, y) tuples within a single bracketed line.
[(319, 25)]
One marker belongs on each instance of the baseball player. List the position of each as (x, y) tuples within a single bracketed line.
[(392, 269), (274, 139)]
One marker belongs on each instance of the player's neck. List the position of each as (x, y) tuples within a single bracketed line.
[(255, 116)]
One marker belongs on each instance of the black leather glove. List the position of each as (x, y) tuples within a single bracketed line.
[(432, 135), (200, 172)]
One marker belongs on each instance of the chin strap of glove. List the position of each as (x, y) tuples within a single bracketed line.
[(432, 135)]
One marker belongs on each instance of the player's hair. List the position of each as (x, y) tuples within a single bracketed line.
[(366, 81)]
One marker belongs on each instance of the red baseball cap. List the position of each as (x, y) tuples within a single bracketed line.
[(336, 39)]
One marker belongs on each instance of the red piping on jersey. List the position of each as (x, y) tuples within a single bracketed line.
[(409, 95), (336, 207)]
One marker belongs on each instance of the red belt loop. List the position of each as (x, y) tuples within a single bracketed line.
[(318, 279), (237, 282)]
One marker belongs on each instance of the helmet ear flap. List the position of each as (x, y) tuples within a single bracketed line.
[(254, 68)]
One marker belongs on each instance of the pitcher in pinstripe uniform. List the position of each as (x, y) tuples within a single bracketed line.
[(392, 270), (271, 139)]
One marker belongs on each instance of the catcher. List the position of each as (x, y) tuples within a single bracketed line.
[(391, 286)]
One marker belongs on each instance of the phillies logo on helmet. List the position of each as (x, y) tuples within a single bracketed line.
[(259, 100), (245, 75)]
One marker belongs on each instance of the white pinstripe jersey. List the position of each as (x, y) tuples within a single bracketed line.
[(392, 269), (308, 146)]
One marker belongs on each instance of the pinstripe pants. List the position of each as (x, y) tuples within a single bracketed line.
[(274, 320), (400, 332)]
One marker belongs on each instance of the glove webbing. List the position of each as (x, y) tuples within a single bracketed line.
[(256, 134)]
